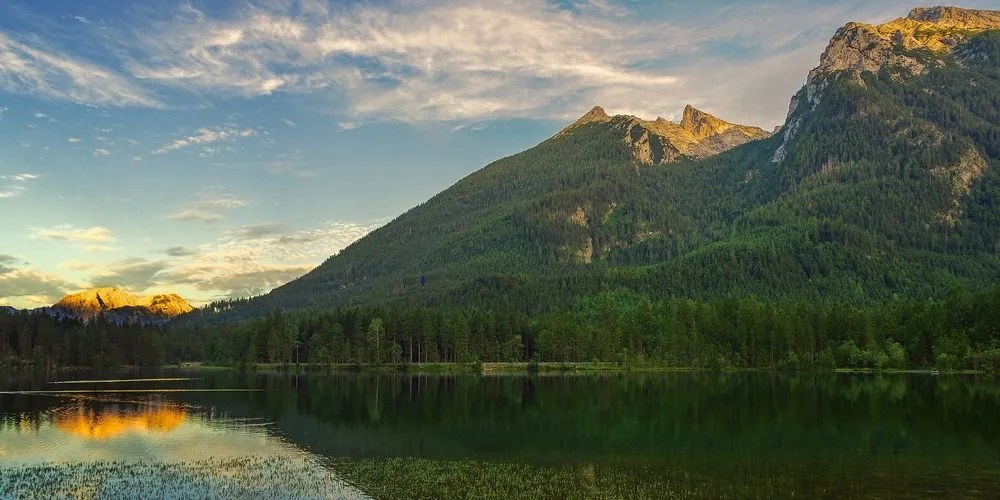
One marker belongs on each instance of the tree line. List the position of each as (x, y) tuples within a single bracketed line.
[(615, 325)]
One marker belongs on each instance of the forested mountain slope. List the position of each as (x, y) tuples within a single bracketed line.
[(883, 181)]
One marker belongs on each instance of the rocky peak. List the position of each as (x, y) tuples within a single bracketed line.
[(861, 47), (596, 114), (90, 303), (702, 124), (955, 16), (910, 43), (660, 141)]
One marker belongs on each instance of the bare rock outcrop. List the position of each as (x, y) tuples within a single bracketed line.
[(660, 141)]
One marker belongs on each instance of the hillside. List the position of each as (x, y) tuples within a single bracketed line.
[(881, 183)]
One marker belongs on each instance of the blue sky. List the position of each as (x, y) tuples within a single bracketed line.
[(219, 148)]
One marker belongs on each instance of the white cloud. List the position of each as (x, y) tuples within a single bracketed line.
[(348, 125), (133, 274), (15, 184), (74, 140), (82, 20), (205, 136), (67, 232), (76, 265), (101, 152), (30, 69), (413, 61), (32, 288), (208, 207), (288, 122), (251, 260)]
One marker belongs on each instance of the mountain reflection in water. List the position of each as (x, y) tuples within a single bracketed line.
[(113, 421)]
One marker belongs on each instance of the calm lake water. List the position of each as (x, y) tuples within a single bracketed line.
[(220, 433)]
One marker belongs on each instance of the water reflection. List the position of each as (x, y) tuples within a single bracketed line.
[(61, 430), (112, 421)]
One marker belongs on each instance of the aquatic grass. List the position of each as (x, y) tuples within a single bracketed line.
[(399, 478), (270, 477)]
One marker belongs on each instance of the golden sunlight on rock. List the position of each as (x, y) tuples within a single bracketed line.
[(90, 424)]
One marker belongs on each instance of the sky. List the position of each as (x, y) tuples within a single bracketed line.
[(217, 149)]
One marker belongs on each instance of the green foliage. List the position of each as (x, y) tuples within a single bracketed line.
[(868, 203)]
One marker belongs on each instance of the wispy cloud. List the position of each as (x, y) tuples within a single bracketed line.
[(413, 61), (26, 287), (206, 136), (179, 252), (253, 259), (74, 140), (133, 274), (15, 184), (208, 207), (101, 152), (67, 232), (27, 68)]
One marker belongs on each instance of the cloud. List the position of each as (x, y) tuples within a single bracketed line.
[(348, 125), (76, 265), (27, 68), (74, 140), (288, 122), (257, 231), (82, 20), (208, 208), (254, 259), (413, 61), (66, 232), (101, 152), (244, 283), (206, 136), (15, 184), (179, 252), (29, 287), (133, 274)]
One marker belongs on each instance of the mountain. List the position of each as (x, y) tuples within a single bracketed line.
[(883, 183), (120, 306), (698, 135)]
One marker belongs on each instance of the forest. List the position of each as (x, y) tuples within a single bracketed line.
[(961, 332)]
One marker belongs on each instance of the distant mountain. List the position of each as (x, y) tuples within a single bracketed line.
[(698, 135), (883, 182), (119, 306)]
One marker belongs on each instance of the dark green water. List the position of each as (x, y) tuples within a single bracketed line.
[(395, 436)]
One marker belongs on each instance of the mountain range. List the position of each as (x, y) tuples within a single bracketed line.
[(881, 183), (115, 306)]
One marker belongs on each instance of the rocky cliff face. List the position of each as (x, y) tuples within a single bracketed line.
[(863, 47), (657, 142), (907, 44), (90, 303)]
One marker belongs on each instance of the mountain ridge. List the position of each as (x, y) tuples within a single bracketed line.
[(90, 303), (699, 134), (878, 185)]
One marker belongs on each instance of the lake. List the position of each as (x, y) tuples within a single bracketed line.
[(221, 433)]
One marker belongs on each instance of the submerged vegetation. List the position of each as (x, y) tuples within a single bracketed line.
[(246, 477)]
